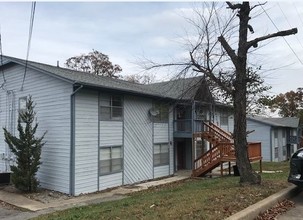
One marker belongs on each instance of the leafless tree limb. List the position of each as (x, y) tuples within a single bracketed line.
[(255, 42)]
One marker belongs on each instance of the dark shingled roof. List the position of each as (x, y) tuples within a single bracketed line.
[(177, 89), (182, 88), (290, 122)]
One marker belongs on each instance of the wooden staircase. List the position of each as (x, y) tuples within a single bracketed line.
[(222, 150), (221, 146)]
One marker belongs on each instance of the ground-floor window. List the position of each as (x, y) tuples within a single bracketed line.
[(161, 154), (276, 152), (111, 160), (284, 150)]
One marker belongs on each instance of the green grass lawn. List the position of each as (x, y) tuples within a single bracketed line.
[(207, 198)]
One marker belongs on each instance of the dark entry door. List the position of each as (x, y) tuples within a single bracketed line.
[(181, 157)]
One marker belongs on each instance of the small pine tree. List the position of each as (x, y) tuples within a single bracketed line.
[(27, 149)]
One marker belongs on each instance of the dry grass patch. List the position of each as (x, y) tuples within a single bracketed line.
[(207, 198)]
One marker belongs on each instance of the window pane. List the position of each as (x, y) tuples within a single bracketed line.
[(163, 112), (164, 158), (105, 154), (116, 152), (117, 101), (164, 148), (105, 113), (22, 103), (117, 112), (223, 118), (105, 166), (105, 100), (157, 149), (276, 152), (157, 160), (116, 164)]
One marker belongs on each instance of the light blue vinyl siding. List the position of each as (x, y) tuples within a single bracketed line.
[(111, 133), (52, 98), (161, 171), (161, 133), (111, 180), (138, 148), (86, 141), (261, 134)]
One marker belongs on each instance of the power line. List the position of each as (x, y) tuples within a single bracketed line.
[(282, 36), (289, 23), (298, 14), (29, 39)]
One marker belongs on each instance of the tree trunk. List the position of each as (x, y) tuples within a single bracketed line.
[(247, 175)]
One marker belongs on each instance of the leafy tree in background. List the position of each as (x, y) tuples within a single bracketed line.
[(289, 104), (94, 62), (27, 149)]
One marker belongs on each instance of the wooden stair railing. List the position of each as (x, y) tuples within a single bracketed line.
[(217, 131), (212, 158)]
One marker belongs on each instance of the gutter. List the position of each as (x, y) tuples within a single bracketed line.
[(72, 141)]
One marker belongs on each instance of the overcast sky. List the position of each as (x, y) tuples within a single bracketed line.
[(128, 31)]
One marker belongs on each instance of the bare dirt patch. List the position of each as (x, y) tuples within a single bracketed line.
[(42, 195)]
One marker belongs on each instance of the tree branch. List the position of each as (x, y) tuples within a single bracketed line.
[(231, 53), (209, 74), (277, 34), (233, 6)]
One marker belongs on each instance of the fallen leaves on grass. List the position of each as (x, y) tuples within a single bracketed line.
[(278, 209)]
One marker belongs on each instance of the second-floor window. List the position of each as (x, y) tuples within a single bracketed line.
[(111, 107), (162, 115), (224, 118)]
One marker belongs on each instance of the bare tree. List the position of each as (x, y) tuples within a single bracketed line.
[(139, 78), (213, 56), (94, 62)]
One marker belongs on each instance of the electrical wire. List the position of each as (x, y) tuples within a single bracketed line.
[(289, 23), (282, 36), (29, 40)]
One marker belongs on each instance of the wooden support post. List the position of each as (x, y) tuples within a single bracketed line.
[(229, 170), (221, 163), (260, 165)]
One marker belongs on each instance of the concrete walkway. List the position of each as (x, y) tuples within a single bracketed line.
[(118, 193)]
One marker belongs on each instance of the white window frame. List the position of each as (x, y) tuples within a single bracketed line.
[(111, 107), (162, 156), (111, 159)]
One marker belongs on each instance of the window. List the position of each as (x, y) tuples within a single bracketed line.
[(276, 152), (161, 155), (284, 150), (275, 138), (22, 104), (224, 118), (111, 160), (163, 112), (111, 107)]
